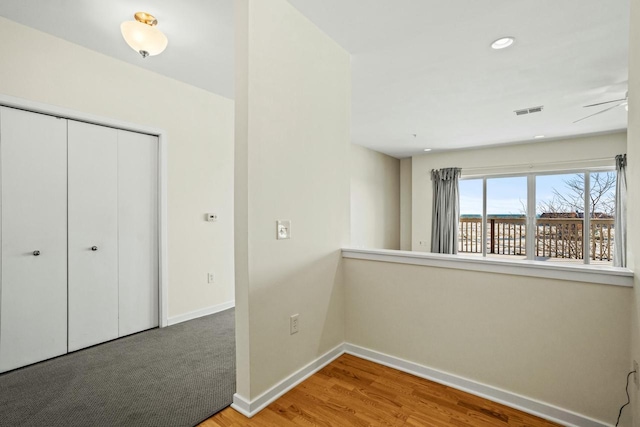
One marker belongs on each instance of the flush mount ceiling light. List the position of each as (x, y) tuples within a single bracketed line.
[(538, 137), (143, 36), (503, 42), (427, 149)]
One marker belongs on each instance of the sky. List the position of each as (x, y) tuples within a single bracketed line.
[(507, 195)]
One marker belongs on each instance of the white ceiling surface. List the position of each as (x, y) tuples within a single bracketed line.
[(419, 66), (200, 32), (425, 67)]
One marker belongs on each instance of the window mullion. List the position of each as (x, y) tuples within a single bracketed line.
[(531, 217), (484, 217), (586, 224)]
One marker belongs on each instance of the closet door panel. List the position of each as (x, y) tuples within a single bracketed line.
[(93, 231), (138, 227), (33, 293)]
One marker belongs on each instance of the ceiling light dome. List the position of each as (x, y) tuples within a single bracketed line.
[(503, 42), (143, 36)]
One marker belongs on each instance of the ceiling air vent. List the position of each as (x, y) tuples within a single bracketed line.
[(528, 110)]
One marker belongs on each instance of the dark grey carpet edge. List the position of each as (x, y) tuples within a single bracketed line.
[(176, 376)]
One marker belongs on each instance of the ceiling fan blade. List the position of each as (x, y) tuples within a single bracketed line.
[(607, 102), (599, 112)]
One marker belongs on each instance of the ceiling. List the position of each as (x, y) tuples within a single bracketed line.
[(424, 75)]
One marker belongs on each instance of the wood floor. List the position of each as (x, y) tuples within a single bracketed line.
[(354, 392)]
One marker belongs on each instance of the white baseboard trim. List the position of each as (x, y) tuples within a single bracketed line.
[(242, 405), (202, 312), (251, 408), (531, 406), (522, 403)]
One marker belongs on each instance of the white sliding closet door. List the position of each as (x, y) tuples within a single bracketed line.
[(33, 297), (138, 231), (93, 234)]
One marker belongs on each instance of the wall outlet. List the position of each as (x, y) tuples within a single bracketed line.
[(211, 217), (210, 278), (636, 375), (294, 324), (424, 243)]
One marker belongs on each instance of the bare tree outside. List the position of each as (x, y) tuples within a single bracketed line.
[(571, 198), (559, 235)]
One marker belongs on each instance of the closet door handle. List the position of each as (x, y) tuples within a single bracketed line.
[(94, 248), (36, 253)]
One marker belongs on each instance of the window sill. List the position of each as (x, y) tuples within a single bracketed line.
[(576, 273)]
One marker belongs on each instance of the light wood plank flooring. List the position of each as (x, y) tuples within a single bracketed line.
[(354, 392)]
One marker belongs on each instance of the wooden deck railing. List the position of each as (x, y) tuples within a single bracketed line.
[(554, 237)]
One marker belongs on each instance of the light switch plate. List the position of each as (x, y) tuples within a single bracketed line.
[(211, 217), (283, 229)]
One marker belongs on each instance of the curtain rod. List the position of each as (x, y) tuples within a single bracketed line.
[(538, 165)]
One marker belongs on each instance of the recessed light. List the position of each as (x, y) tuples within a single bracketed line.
[(427, 149), (538, 137), (503, 42)]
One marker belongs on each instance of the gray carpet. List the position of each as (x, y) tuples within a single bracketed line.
[(175, 376)]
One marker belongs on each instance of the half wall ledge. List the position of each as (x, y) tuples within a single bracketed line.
[(603, 275)]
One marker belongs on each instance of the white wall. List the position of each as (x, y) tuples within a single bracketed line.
[(526, 157), (405, 204), (292, 162), (633, 208), (560, 342), (42, 68), (375, 199)]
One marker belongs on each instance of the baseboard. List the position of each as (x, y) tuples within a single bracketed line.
[(251, 408), (522, 403), (202, 312), (531, 406), (242, 405)]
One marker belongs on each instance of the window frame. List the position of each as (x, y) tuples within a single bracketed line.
[(531, 205)]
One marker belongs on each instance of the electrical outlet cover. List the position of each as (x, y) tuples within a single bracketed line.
[(294, 324)]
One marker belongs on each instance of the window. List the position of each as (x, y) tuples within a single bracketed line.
[(559, 217), (507, 216), (542, 217), (470, 237)]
